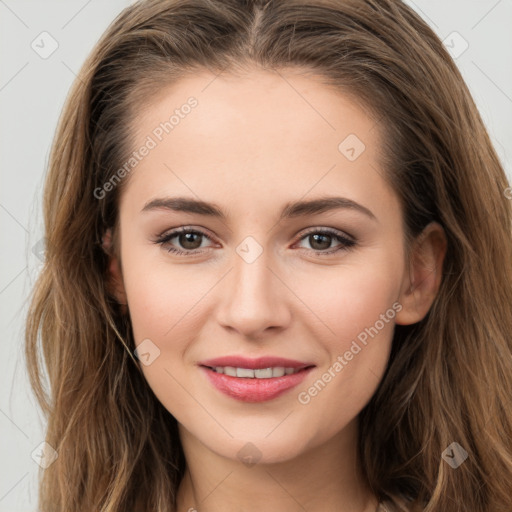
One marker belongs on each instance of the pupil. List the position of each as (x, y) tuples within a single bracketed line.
[(325, 237), (189, 240)]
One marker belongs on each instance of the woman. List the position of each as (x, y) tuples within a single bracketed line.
[(251, 370)]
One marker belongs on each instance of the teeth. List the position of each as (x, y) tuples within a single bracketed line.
[(278, 372), (248, 373), (263, 373), (229, 370), (245, 372)]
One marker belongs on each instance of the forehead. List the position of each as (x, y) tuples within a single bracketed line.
[(255, 133), (292, 104)]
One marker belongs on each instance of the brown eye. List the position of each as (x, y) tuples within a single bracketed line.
[(320, 241), (188, 241)]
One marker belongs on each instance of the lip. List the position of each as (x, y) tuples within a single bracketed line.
[(255, 364), (254, 390)]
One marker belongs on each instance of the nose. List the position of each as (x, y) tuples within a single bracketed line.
[(254, 298)]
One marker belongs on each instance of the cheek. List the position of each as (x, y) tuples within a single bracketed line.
[(349, 298), (163, 307), (163, 298), (166, 305), (357, 307)]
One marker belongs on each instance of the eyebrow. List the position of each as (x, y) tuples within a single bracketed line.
[(290, 210)]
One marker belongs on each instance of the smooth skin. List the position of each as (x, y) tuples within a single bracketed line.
[(254, 143)]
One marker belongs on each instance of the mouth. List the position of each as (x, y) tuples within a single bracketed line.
[(255, 380), (260, 373)]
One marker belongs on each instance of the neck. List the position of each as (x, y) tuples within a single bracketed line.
[(321, 479)]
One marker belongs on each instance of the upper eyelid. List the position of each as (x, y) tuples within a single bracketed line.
[(333, 231), (171, 233)]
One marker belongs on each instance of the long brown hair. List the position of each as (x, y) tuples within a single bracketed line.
[(449, 377)]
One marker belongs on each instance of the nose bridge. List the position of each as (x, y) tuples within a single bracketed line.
[(253, 298), (251, 272)]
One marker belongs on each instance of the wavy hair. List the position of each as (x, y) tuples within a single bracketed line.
[(449, 377)]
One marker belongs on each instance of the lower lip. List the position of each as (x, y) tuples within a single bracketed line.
[(254, 390)]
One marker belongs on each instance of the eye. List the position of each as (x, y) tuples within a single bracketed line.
[(189, 239), (320, 241)]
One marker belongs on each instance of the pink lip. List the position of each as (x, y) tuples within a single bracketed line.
[(254, 390)]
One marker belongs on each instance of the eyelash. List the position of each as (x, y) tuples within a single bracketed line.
[(347, 243)]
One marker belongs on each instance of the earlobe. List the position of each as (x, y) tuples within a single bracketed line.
[(424, 275), (115, 284)]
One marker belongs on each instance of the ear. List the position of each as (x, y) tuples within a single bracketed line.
[(115, 284), (423, 278)]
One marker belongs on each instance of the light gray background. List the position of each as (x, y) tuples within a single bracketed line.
[(32, 92)]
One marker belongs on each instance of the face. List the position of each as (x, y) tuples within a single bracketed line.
[(268, 275)]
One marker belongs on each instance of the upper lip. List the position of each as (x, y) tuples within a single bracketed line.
[(255, 364)]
